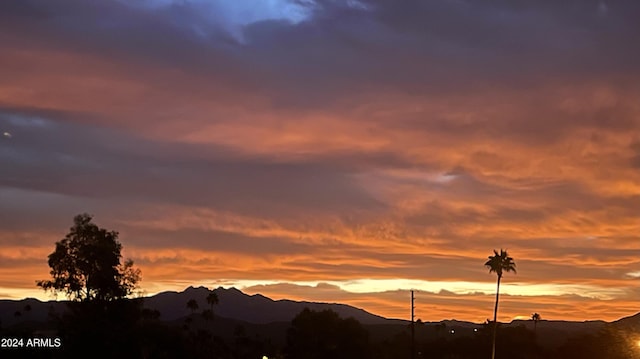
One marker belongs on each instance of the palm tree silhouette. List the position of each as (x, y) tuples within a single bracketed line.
[(212, 299), (498, 263), (536, 318), (192, 305)]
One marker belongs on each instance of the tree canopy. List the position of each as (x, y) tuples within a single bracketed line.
[(325, 335), (86, 264), (500, 262)]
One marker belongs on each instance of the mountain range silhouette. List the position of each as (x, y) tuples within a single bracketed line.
[(259, 314)]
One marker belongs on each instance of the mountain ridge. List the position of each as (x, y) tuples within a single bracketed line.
[(260, 309), (256, 308)]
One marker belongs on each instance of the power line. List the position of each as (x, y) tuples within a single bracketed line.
[(413, 330)]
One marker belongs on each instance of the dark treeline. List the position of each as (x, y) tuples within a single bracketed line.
[(124, 329)]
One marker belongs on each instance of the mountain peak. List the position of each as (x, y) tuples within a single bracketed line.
[(192, 288), (230, 289), (256, 308)]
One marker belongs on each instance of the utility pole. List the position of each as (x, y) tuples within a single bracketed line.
[(413, 330)]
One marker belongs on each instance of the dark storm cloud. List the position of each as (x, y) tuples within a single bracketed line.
[(93, 162), (423, 46), (113, 28), (426, 49), (525, 35), (443, 47)]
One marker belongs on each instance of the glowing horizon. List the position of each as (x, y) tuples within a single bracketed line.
[(362, 294)]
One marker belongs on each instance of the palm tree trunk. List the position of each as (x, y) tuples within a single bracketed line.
[(495, 320)]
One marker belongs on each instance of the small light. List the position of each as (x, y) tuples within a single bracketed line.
[(265, 357), (453, 331), (475, 329), (7, 134)]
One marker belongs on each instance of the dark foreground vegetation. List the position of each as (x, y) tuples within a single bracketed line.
[(125, 329)]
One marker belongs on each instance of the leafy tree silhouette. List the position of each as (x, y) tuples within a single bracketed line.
[(498, 263), (212, 299), (325, 335), (536, 318), (192, 304), (85, 265)]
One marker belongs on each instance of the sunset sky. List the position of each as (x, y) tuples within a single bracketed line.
[(332, 150)]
